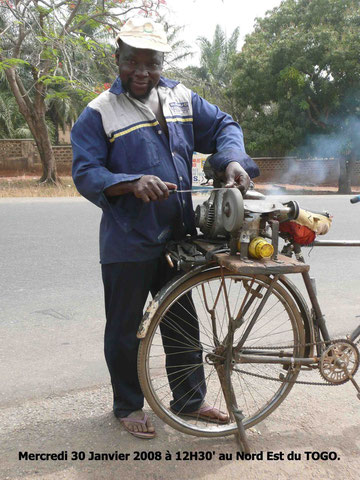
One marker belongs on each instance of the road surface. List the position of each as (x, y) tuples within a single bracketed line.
[(55, 391)]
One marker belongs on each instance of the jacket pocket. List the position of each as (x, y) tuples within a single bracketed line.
[(141, 153)]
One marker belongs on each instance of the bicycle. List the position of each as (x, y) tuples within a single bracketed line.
[(248, 324)]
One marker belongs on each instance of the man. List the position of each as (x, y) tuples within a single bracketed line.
[(132, 145)]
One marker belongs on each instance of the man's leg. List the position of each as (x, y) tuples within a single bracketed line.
[(180, 333), (126, 287)]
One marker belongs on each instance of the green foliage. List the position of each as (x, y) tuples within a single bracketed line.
[(214, 76), (63, 52), (299, 75), (12, 62), (216, 56), (52, 80), (12, 123)]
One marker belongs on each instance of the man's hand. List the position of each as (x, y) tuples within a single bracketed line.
[(151, 188), (236, 176), (147, 188)]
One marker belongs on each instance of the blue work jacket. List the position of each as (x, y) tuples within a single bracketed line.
[(118, 139)]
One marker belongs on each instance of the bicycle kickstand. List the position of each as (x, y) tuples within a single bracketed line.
[(235, 413), (241, 436), (232, 403)]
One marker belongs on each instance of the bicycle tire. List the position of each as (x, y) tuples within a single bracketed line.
[(151, 357)]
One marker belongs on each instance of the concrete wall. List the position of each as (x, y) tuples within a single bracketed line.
[(21, 155)]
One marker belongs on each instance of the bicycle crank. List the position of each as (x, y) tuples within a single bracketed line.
[(339, 363)]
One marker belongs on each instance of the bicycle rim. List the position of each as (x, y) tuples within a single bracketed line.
[(279, 323)]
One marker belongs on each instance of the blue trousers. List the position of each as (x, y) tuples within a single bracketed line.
[(126, 287)]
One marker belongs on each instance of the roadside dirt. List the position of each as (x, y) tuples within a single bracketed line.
[(312, 419)]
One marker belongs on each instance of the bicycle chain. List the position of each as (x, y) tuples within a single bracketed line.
[(278, 347), (300, 382)]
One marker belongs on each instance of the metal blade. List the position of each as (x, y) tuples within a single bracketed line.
[(193, 190)]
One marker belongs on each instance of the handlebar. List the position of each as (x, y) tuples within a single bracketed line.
[(355, 199)]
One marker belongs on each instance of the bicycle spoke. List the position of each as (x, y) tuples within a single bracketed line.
[(195, 325)]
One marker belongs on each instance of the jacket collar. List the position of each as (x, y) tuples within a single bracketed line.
[(117, 88)]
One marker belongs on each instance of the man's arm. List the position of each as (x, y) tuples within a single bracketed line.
[(92, 177), (217, 133), (91, 148)]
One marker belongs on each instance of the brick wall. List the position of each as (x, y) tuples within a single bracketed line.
[(16, 154), (19, 155), (10, 148), (63, 153), (22, 153), (324, 171)]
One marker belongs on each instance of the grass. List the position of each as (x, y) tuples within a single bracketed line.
[(25, 186)]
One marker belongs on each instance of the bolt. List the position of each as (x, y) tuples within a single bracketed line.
[(226, 209)]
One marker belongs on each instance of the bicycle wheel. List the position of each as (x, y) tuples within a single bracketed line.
[(191, 325)]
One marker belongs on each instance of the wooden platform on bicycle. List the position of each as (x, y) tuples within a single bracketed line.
[(283, 264)]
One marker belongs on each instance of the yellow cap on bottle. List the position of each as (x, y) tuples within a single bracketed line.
[(260, 248)]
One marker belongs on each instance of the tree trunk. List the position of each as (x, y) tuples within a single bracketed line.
[(34, 114), (46, 153), (346, 169)]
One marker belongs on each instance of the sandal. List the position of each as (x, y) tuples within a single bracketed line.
[(203, 414), (142, 421)]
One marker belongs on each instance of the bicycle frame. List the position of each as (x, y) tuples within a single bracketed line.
[(309, 346), (322, 339), (319, 317)]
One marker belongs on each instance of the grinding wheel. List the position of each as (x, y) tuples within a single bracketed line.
[(233, 210)]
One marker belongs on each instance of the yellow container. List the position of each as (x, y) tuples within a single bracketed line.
[(260, 248)]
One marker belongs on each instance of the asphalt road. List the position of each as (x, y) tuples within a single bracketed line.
[(54, 384), (52, 314)]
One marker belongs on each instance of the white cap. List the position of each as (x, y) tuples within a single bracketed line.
[(139, 32)]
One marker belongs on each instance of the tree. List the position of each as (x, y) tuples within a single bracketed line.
[(51, 48), (298, 80), (214, 76), (216, 56), (12, 123)]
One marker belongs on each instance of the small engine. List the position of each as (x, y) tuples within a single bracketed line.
[(226, 213)]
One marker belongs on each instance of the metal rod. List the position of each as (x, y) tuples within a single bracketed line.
[(193, 190), (245, 307), (355, 334), (268, 353), (275, 238), (257, 313), (334, 243), (319, 317), (236, 412), (212, 314), (240, 358)]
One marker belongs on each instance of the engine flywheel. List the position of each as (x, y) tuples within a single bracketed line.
[(233, 210)]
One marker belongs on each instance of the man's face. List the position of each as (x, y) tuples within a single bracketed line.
[(139, 69)]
